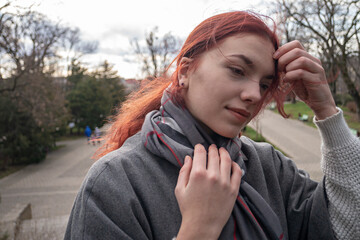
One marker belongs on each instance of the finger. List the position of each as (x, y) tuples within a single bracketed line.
[(303, 82), (304, 63), (294, 54), (286, 48), (213, 159), (225, 165), (184, 173), (199, 160), (304, 76), (236, 176)]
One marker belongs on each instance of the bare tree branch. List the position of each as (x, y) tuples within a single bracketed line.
[(156, 53), (332, 26)]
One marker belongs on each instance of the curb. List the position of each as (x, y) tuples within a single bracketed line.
[(10, 224)]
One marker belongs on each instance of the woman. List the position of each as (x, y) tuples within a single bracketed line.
[(173, 164)]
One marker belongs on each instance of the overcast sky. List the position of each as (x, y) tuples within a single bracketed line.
[(114, 22)]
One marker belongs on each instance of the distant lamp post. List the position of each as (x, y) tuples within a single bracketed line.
[(71, 126)]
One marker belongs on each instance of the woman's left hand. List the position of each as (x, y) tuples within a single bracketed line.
[(308, 76)]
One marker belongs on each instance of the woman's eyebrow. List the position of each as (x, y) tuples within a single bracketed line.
[(250, 64), (270, 77), (244, 58)]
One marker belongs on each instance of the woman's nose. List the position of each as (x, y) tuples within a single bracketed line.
[(251, 92)]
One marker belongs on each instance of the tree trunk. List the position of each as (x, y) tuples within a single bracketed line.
[(351, 87)]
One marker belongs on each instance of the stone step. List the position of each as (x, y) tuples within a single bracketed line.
[(43, 228), (11, 221)]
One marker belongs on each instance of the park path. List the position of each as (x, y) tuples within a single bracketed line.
[(297, 140), (50, 187)]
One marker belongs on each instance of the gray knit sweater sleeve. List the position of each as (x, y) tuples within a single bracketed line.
[(341, 166)]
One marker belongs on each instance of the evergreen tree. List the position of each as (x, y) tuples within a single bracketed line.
[(112, 82), (89, 102)]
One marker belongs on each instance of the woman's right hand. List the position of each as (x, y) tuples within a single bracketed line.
[(206, 192)]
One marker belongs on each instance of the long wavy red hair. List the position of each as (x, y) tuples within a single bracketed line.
[(205, 36)]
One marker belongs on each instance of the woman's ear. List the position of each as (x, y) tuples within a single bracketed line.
[(183, 74)]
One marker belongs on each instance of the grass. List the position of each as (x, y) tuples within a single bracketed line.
[(14, 168), (293, 111), (300, 107), (4, 236), (351, 119), (252, 134), (10, 170)]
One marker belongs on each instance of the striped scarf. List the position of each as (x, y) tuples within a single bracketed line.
[(171, 133)]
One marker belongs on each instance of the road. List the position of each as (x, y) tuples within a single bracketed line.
[(51, 186), (297, 140)]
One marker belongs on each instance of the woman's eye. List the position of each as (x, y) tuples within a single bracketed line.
[(237, 71), (264, 86)]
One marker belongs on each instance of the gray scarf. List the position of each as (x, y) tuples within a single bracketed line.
[(171, 133)]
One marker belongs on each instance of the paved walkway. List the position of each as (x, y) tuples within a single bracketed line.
[(297, 140), (50, 187)]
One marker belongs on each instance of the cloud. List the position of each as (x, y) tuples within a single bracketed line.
[(115, 23), (130, 60), (115, 51), (128, 32)]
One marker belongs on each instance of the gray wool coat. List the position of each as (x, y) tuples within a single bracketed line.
[(129, 194)]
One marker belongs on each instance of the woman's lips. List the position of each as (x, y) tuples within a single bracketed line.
[(239, 113)]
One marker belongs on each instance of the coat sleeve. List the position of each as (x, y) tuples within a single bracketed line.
[(341, 166), (106, 207)]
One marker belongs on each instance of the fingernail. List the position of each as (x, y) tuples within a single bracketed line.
[(187, 159), (276, 54), (199, 145)]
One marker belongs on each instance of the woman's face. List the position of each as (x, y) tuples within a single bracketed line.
[(224, 90)]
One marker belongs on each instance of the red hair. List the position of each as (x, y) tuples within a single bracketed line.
[(205, 36)]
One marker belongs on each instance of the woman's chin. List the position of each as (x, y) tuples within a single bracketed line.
[(229, 133)]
